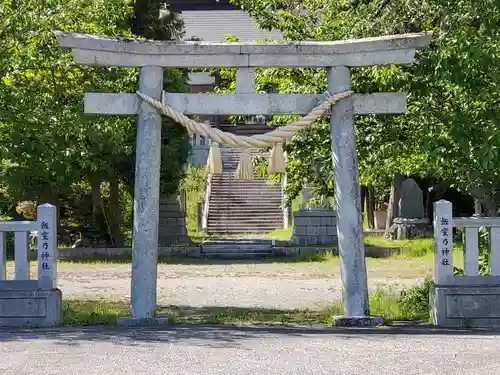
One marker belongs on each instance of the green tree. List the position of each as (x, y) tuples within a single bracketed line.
[(152, 19), (48, 145), (451, 130)]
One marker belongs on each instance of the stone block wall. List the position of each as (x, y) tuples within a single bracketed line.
[(315, 227), (172, 223)]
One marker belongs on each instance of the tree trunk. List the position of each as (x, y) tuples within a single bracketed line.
[(490, 208), (97, 204), (370, 207), (363, 198), (428, 203), (392, 209), (486, 199), (115, 212), (478, 209)]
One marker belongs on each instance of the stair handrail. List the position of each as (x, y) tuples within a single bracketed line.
[(208, 191)]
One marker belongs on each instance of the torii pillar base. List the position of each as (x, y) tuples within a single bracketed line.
[(357, 321), (144, 322)]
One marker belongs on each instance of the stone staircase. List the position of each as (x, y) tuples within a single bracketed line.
[(239, 206), (237, 249)]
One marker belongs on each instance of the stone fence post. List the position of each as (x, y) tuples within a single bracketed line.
[(443, 241), (47, 246)]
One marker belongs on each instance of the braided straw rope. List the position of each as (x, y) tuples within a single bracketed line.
[(256, 141)]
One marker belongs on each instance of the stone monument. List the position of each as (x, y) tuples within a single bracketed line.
[(411, 222)]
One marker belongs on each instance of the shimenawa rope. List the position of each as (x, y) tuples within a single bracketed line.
[(273, 138)]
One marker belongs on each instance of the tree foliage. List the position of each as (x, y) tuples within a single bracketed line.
[(451, 130), (48, 146)]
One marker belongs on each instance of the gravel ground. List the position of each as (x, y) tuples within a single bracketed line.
[(210, 350), (283, 286)]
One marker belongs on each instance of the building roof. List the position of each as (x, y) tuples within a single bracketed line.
[(214, 25), (183, 5)]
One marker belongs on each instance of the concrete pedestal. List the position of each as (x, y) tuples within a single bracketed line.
[(30, 308), (465, 306)]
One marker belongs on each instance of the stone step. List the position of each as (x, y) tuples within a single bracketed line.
[(230, 176), (251, 198), (242, 219), (249, 218), (238, 231), (257, 200), (236, 220), (236, 248), (255, 215), (239, 189), (244, 223), (239, 255), (244, 191), (247, 200), (255, 228), (245, 217), (242, 185), (257, 186), (248, 196), (234, 223), (258, 194), (250, 190), (244, 210), (236, 181), (245, 206), (239, 241), (246, 214)]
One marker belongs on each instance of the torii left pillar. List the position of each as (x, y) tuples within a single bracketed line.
[(146, 203)]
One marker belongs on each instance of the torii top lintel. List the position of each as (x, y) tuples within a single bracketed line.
[(106, 51)]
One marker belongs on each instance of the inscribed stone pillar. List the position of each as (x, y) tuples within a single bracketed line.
[(347, 197), (146, 198)]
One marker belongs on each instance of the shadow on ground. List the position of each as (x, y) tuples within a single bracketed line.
[(219, 336), (234, 325), (86, 312)]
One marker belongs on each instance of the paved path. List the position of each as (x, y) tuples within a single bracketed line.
[(209, 350)]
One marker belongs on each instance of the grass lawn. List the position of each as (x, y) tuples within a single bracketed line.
[(382, 303), (414, 261)]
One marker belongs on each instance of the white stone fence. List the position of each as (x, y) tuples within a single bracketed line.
[(45, 228), (444, 222), (471, 299)]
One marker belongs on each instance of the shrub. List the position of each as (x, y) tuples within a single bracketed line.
[(484, 254), (194, 184), (414, 301)]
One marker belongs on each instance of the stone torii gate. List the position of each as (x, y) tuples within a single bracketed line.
[(153, 56)]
